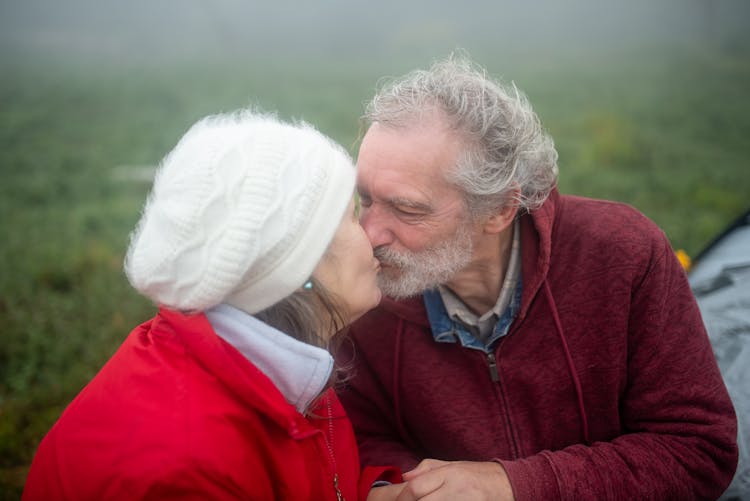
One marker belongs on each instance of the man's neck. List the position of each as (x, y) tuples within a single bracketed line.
[(478, 285)]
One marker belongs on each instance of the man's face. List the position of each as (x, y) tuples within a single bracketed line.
[(416, 221)]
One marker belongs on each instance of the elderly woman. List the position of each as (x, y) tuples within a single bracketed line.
[(250, 245)]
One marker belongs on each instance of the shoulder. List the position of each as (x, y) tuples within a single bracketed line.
[(609, 226), (603, 216), (604, 241)]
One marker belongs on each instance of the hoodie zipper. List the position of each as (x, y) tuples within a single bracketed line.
[(495, 376), (329, 444), (492, 363)]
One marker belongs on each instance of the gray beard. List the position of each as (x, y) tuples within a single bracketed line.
[(411, 273)]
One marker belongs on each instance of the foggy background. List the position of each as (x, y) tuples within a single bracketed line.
[(647, 101), (156, 32)]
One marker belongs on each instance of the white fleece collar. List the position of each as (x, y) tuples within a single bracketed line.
[(300, 371)]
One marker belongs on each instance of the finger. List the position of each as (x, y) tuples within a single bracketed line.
[(442, 494), (423, 467), (424, 485)]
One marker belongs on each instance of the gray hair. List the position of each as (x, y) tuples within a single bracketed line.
[(508, 158), (308, 315)]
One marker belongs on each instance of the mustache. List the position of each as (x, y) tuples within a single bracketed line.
[(380, 253), (389, 256)]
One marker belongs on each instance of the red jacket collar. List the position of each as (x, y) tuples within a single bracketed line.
[(237, 373)]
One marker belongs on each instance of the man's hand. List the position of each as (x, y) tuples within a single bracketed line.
[(443, 480)]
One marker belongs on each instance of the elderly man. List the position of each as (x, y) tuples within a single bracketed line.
[(533, 345)]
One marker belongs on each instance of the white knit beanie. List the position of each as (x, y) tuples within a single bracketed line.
[(241, 211)]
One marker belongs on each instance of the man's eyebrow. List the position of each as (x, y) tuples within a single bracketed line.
[(412, 204), (396, 201)]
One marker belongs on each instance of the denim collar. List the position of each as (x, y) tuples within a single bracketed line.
[(447, 330)]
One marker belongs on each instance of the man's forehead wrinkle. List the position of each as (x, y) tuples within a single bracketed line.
[(398, 183)]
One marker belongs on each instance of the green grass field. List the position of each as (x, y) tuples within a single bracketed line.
[(667, 133)]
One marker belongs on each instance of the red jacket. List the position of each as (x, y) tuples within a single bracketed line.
[(179, 413), (606, 384)]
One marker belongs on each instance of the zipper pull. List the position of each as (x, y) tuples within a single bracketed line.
[(494, 375), (339, 496)]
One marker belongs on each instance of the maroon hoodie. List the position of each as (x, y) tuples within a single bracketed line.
[(606, 386)]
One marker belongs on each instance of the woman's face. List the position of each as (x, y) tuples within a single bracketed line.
[(348, 270)]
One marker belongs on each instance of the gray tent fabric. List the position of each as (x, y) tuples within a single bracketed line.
[(720, 279)]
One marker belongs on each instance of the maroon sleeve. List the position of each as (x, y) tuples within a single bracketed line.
[(680, 440)]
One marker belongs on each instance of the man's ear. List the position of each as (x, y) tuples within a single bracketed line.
[(504, 215), (501, 219)]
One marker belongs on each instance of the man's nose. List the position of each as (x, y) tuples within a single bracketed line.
[(375, 226)]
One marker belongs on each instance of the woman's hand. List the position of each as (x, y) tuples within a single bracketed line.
[(386, 492)]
